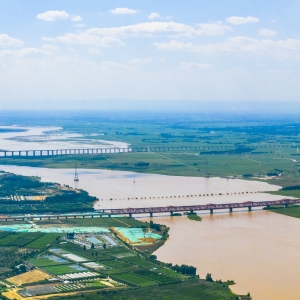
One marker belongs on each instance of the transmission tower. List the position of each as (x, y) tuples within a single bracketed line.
[(76, 174)]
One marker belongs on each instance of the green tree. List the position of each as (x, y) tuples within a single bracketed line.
[(104, 246), (208, 277)]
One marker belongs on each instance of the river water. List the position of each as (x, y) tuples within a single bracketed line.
[(260, 250), (49, 138)]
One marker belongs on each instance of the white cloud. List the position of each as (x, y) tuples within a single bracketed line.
[(154, 16), (241, 20), (6, 41), (48, 39), (212, 29), (88, 39), (289, 48), (24, 52), (50, 47), (137, 61), (116, 65), (267, 32), (53, 15), (150, 28), (123, 10), (80, 25), (94, 51), (196, 65), (76, 19)]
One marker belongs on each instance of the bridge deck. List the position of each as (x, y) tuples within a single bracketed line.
[(210, 207)]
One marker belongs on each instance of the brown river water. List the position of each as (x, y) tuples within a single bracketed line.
[(259, 250)]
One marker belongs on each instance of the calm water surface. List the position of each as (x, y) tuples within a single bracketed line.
[(259, 250)]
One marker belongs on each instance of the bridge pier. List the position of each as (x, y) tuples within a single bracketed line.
[(268, 206), (130, 215), (191, 211), (286, 205), (230, 209), (151, 214), (249, 208), (171, 213), (211, 211)]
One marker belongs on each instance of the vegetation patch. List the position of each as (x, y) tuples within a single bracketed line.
[(158, 277), (194, 217), (134, 279)]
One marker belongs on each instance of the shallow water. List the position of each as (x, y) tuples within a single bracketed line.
[(260, 250), (39, 138)]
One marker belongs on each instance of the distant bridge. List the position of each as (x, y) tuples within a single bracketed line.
[(193, 208), (77, 151)]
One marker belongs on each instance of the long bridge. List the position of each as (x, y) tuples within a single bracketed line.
[(193, 208), (149, 210), (82, 151)]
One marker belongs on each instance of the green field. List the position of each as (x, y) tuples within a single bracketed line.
[(19, 239), (45, 262), (118, 264), (189, 290), (61, 269), (292, 211), (137, 260), (160, 278), (135, 279), (44, 240)]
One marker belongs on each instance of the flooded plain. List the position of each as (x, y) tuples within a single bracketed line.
[(259, 250)]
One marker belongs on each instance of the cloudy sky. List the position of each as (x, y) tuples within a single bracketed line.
[(149, 50)]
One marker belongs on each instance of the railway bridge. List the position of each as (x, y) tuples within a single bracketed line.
[(192, 208)]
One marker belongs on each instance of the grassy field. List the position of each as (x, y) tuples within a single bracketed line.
[(135, 279), (44, 262), (190, 290), (160, 278), (61, 269), (20, 239), (292, 211), (44, 240)]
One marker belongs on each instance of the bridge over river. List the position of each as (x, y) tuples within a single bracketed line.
[(193, 208), (77, 151)]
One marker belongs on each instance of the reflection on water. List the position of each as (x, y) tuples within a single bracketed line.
[(259, 250)]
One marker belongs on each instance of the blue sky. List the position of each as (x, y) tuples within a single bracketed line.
[(149, 50)]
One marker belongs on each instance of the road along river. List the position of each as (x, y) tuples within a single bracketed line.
[(260, 250)]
